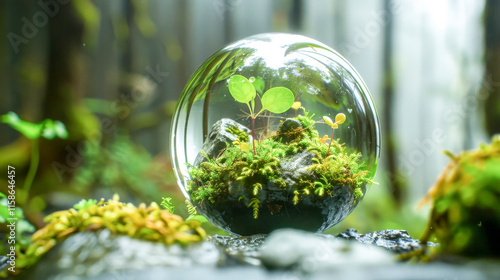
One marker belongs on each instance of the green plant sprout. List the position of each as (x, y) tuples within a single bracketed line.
[(48, 129), (166, 202), (276, 100), (339, 119)]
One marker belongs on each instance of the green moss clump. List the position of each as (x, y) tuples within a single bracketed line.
[(465, 217), (237, 174), (144, 222)]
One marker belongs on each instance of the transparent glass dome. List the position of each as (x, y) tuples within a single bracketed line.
[(251, 139)]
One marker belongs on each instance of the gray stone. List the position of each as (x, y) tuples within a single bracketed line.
[(291, 254), (309, 252), (398, 241), (93, 253), (294, 168), (216, 141)]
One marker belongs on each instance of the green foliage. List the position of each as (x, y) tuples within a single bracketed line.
[(47, 128), (465, 216), (84, 204), (143, 222), (255, 204), (239, 173), (193, 213), (130, 170), (241, 89), (166, 202), (276, 100), (241, 135)]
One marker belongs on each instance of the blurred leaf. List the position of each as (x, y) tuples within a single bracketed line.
[(23, 230), (197, 218), (84, 204), (166, 202), (53, 129), (48, 128), (30, 130)]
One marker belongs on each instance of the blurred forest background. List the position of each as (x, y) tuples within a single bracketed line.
[(112, 72)]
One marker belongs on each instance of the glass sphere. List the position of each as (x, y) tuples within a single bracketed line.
[(273, 131)]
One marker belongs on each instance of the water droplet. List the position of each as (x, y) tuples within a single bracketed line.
[(349, 110)]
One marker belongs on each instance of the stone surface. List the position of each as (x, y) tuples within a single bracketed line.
[(216, 141), (287, 254), (93, 253), (310, 252), (294, 168), (395, 240)]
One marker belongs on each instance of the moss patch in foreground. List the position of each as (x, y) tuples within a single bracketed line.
[(465, 214), (144, 222)]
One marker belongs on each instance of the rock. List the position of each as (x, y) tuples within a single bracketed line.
[(295, 167), (92, 253), (398, 241), (288, 131), (243, 249), (309, 252), (216, 141)]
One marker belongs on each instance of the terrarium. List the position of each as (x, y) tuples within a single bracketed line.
[(274, 131)]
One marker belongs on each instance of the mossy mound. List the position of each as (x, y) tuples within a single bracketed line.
[(465, 214), (144, 222), (294, 168)]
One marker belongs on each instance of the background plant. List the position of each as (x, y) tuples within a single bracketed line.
[(48, 129)]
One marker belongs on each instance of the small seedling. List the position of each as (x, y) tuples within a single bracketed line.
[(276, 100), (48, 129), (339, 119)]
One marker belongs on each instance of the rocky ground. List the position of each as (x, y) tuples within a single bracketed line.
[(284, 254)]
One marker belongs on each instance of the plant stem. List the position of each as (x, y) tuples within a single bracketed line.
[(35, 157), (253, 136), (330, 144)]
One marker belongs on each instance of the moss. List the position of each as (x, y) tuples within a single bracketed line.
[(144, 222), (465, 217), (240, 174)]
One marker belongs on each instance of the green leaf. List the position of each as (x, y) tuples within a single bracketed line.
[(166, 202), (197, 218), (277, 100), (52, 129), (23, 230), (241, 89), (258, 84), (30, 130)]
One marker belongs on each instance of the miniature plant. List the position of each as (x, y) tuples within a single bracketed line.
[(240, 173), (48, 129), (166, 202), (276, 100), (339, 119)]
